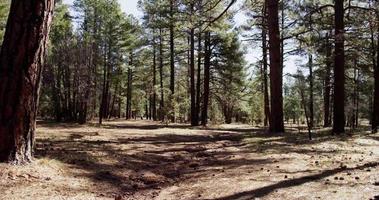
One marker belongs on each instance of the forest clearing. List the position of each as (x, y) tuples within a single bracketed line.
[(148, 160), (189, 99)]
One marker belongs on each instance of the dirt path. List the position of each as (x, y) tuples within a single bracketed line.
[(144, 160)]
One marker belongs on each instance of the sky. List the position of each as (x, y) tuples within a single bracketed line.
[(252, 55)]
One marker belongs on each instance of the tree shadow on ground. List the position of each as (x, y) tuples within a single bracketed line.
[(177, 158), (133, 162), (263, 191)]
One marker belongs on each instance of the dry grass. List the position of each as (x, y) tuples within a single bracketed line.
[(146, 160)]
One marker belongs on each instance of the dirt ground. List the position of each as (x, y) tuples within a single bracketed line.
[(146, 160)]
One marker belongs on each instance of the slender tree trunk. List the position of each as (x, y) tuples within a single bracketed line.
[(198, 84), (172, 61), (339, 70), (161, 103), (194, 114), (129, 89), (104, 90), (375, 118), (265, 65), (311, 99), (21, 61), (327, 84), (207, 63), (276, 79), (154, 103)]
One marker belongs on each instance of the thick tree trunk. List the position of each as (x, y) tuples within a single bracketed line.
[(327, 86), (339, 70), (21, 60), (276, 79), (207, 63)]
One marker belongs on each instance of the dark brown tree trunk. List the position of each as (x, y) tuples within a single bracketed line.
[(194, 114), (276, 79), (311, 99), (104, 92), (172, 61), (327, 84), (339, 70), (154, 100), (207, 63), (21, 61), (129, 89), (264, 73), (375, 118), (161, 103), (198, 84)]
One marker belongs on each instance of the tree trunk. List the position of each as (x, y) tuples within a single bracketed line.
[(276, 79), (172, 61), (21, 61), (129, 89), (264, 73), (327, 83), (194, 114), (339, 70), (207, 63), (375, 118), (104, 91), (311, 99), (198, 84), (161, 103), (154, 101)]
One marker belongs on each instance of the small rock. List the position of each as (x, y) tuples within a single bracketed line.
[(348, 173), (357, 178), (341, 179), (285, 176)]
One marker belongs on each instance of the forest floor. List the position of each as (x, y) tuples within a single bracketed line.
[(147, 160)]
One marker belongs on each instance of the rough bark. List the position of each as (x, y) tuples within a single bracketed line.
[(339, 70), (375, 118), (161, 103), (266, 100), (198, 79), (276, 79), (172, 60), (21, 61), (207, 63), (154, 100), (327, 86), (311, 99), (129, 90)]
